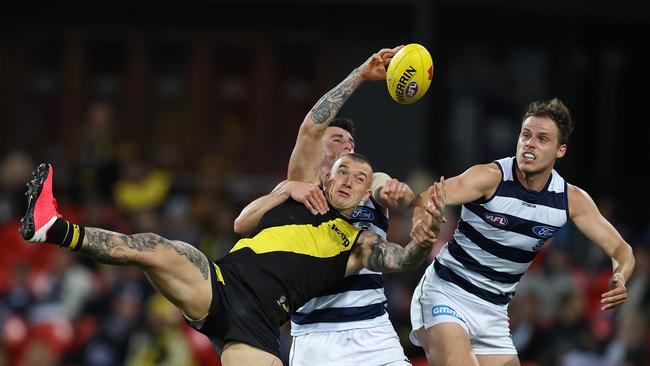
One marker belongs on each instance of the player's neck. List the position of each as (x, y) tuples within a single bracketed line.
[(533, 181)]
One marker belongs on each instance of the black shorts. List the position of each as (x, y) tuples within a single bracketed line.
[(235, 315)]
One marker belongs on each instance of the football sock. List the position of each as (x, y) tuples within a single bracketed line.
[(66, 234)]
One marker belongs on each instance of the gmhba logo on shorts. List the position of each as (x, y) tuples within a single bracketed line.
[(438, 310)]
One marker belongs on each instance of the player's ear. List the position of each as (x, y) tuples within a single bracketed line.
[(561, 151), (328, 182), (367, 194)]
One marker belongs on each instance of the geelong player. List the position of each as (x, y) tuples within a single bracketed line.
[(510, 208)]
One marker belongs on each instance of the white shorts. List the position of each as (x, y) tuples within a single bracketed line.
[(437, 301), (369, 346)]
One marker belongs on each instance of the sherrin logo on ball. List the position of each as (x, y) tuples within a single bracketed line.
[(409, 74)]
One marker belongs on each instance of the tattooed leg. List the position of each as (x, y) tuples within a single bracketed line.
[(176, 269)]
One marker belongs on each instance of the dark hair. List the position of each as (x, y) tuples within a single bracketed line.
[(344, 123), (556, 111)]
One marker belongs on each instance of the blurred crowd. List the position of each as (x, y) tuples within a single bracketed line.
[(60, 308)]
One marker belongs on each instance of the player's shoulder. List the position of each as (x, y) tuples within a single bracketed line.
[(580, 202), (488, 173), (576, 192)]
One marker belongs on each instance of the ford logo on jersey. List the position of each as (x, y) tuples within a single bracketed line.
[(496, 219), (544, 231), (363, 213)]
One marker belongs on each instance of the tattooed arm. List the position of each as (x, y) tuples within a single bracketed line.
[(377, 254), (304, 164)]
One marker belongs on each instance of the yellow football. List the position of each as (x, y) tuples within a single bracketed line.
[(409, 74)]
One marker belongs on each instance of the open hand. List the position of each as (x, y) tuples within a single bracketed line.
[(426, 225), (375, 67)]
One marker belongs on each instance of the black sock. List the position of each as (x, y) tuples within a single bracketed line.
[(66, 234)]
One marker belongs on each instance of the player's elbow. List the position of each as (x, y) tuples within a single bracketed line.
[(240, 226), (309, 127)]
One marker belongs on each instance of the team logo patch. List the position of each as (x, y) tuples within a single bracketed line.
[(411, 89), (363, 213), (438, 310), (544, 231), (496, 219), (538, 245)]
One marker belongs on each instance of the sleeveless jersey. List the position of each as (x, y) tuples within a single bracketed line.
[(291, 257), (497, 239), (356, 302)]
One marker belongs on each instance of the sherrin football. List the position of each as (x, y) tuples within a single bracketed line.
[(409, 74)]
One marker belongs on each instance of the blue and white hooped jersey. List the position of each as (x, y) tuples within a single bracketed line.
[(496, 240), (354, 303)]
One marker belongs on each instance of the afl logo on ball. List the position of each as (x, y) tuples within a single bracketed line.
[(411, 89)]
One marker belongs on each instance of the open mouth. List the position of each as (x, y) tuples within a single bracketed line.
[(344, 194), (528, 156)]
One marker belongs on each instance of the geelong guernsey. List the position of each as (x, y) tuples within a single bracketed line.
[(354, 303), (497, 239)]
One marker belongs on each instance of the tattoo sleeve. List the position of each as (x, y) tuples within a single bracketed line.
[(383, 256), (329, 104), (114, 248)]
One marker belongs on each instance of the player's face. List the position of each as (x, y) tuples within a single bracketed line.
[(336, 142), (538, 145), (348, 184)]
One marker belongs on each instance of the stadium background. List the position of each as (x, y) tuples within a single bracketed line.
[(171, 117)]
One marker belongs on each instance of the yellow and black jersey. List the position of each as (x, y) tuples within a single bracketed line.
[(291, 257)]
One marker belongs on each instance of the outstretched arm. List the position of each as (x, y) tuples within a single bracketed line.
[(479, 181), (305, 158), (308, 194), (377, 254), (593, 225)]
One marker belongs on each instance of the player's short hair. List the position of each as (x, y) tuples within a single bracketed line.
[(359, 158), (556, 111), (344, 123)]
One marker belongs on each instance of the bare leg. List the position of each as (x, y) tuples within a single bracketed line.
[(447, 344), (237, 353), (176, 269), (498, 360)]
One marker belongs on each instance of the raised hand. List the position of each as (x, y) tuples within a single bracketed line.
[(395, 194), (375, 67), (438, 201), (427, 221)]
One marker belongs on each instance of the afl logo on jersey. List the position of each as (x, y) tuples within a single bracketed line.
[(363, 213), (495, 219), (544, 231)]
